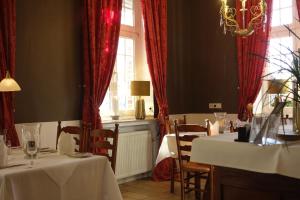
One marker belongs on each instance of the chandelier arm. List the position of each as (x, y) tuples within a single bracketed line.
[(229, 21), (228, 18), (262, 12)]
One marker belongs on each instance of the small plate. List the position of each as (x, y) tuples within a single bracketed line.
[(80, 155)]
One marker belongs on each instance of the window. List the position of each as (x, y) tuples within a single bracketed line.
[(130, 64), (282, 12), (278, 53)]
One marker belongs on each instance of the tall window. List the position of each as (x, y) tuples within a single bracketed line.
[(283, 13), (130, 64)]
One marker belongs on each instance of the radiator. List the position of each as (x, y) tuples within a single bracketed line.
[(134, 155)]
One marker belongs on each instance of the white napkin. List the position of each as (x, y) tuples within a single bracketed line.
[(66, 143), (214, 128), (3, 153)]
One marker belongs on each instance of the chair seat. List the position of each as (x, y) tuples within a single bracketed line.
[(195, 167)]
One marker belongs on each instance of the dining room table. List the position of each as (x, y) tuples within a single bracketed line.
[(243, 170), (60, 177)]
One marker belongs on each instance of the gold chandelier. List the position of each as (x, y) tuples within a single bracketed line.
[(229, 22)]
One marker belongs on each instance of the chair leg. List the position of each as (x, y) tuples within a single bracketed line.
[(182, 185), (173, 166), (197, 186), (209, 186), (188, 180), (206, 193)]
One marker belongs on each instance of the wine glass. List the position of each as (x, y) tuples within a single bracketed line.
[(31, 149), (30, 132)]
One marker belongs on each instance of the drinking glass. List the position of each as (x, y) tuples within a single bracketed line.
[(31, 139), (31, 149)]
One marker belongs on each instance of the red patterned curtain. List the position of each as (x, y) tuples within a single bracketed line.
[(250, 68), (8, 62), (155, 22), (101, 29), (298, 8)]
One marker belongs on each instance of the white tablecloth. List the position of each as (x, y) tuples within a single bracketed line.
[(55, 177), (223, 151), (168, 147)]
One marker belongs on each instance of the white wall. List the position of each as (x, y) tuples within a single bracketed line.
[(199, 118), (48, 131)]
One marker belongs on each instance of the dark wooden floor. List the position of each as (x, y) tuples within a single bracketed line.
[(146, 189)]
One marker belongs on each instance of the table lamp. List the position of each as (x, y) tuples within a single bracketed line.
[(140, 88)]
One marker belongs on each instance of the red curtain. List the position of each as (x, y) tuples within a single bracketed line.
[(8, 62), (155, 22), (101, 29), (298, 8), (250, 67)]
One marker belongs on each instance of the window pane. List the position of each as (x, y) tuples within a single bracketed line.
[(127, 13), (118, 97), (276, 4), (121, 46), (280, 57), (129, 47), (286, 3), (275, 18), (282, 12), (286, 16)]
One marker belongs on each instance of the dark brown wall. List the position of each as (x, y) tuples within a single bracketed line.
[(49, 60), (202, 65), (201, 60)]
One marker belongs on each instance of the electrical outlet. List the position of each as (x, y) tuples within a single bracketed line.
[(215, 105)]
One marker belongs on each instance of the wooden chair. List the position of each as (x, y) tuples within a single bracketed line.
[(105, 143), (174, 175), (74, 130), (175, 172), (188, 169)]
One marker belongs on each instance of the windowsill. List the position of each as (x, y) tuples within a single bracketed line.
[(124, 119)]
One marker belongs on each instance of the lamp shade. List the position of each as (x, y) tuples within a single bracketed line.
[(140, 88), (8, 84), (277, 86)]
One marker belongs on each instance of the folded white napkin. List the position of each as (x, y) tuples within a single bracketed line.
[(66, 143), (3, 153), (214, 128)]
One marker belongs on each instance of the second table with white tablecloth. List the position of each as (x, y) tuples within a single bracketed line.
[(59, 177), (222, 150), (168, 147)]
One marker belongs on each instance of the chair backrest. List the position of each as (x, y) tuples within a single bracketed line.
[(170, 124), (184, 142), (105, 140), (74, 130)]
